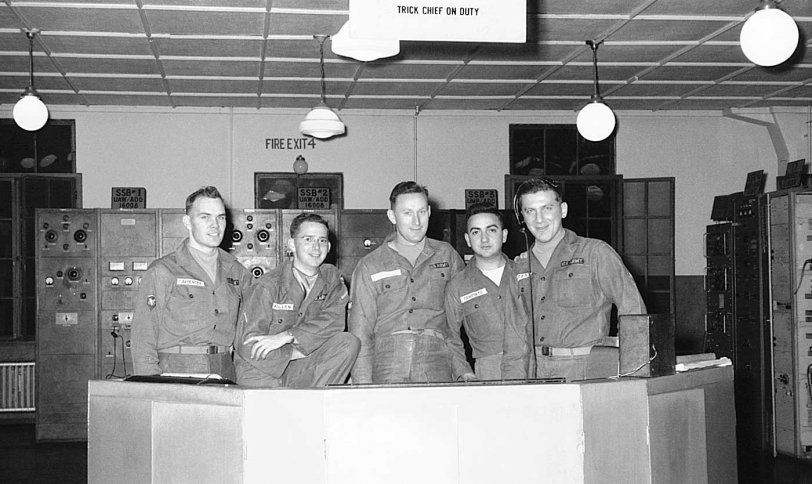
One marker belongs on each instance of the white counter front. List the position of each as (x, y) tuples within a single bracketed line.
[(678, 428)]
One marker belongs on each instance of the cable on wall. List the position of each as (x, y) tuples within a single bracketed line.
[(414, 139)]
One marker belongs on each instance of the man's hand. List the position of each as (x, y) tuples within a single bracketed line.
[(263, 345), (468, 377)]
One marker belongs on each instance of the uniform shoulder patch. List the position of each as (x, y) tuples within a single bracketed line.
[(151, 301)]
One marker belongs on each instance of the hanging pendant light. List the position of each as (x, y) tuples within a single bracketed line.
[(322, 122), (769, 36), (364, 50), (30, 113), (595, 121)]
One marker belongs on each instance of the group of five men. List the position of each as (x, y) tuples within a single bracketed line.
[(537, 316)]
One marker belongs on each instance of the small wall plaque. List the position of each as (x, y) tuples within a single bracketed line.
[(129, 197)]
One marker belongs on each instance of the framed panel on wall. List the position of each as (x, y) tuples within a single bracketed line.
[(311, 191), (558, 150), (51, 149)]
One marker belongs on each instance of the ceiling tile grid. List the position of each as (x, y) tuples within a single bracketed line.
[(654, 55)]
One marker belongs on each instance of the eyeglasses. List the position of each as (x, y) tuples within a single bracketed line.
[(311, 241)]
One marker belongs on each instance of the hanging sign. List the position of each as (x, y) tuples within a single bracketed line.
[(314, 198), (129, 197), (486, 196), (440, 20)]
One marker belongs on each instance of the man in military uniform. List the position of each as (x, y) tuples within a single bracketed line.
[(569, 284), (484, 298), (188, 301), (398, 293), (292, 329)]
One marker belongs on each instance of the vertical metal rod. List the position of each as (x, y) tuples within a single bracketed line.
[(321, 38), (30, 36), (594, 46)]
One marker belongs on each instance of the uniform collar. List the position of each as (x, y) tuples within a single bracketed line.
[(429, 248), (563, 251), (289, 282)]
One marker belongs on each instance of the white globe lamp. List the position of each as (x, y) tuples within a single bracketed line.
[(595, 121), (769, 37)]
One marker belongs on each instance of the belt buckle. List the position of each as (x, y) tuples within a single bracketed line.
[(545, 351)]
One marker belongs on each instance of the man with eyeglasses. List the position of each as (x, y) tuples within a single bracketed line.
[(569, 284), (188, 301), (291, 333), (398, 293)]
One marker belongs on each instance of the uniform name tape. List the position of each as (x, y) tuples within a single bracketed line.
[(474, 294)]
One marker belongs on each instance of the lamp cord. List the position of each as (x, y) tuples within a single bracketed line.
[(594, 46), (30, 36), (322, 38)]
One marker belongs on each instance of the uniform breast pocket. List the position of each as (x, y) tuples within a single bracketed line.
[(281, 321), (391, 292), (573, 288), (438, 279), (182, 307), (476, 323)]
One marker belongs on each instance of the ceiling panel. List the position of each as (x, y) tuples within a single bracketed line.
[(242, 101), (304, 25), (380, 70), (155, 84), (246, 47), (88, 18), (402, 88), (543, 104), (257, 4), (709, 53), (615, 52), (700, 7), (191, 86), (804, 91), (101, 44), (666, 30), (639, 89), (17, 83), (501, 52), (606, 72), (205, 22), (734, 89), (514, 72), (585, 7), (210, 67), (488, 89), (582, 89), (126, 100), (568, 29), (451, 103), (112, 66), (308, 68), (655, 54), (780, 74), (405, 102), (677, 72), (709, 103)]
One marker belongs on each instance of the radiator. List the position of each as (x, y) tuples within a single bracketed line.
[(17, 386)]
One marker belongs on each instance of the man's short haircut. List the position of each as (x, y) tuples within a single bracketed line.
[(405, 187), (207, 192), (534, 185), (483, 207), (306, 217)]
